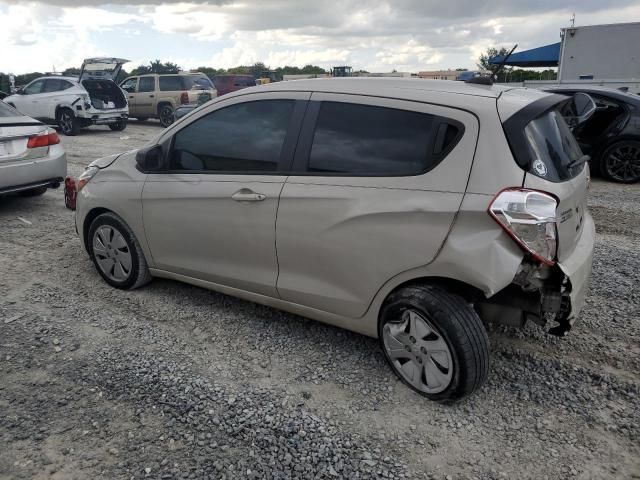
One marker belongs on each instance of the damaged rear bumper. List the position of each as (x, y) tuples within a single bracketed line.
[(549, 296)]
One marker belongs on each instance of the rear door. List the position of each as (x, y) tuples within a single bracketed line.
[(376, 184), (51, 97), (146, 97)]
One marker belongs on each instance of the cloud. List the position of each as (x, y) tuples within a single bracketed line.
[(376, 35)]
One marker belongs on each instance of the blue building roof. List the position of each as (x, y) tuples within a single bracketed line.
[(547, 56)]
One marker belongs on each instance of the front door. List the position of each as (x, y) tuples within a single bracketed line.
[(129, 86), (211, 215), (28, 103)]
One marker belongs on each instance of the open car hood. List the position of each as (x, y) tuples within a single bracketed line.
[(101, 68)]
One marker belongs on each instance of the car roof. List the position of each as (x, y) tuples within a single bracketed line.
[(57, 77), (382, 86)]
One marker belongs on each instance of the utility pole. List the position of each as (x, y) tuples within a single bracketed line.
[(573, 20)]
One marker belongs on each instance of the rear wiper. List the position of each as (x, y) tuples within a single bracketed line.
[(579, 161)]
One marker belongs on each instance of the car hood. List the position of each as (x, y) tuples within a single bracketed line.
[(104, 162), (101, 68)]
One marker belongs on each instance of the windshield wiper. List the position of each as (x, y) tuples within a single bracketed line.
[(579, 161)]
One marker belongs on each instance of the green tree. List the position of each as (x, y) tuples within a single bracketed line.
[(156, 66), (483, 60)]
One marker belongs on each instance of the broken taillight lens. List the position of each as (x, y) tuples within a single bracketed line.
[(529, 217)]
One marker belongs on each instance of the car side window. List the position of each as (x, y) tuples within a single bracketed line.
[(363, 140), (170, 83), (147, 84), (55, 85), (246, 137), (34, 87), (129, 85)]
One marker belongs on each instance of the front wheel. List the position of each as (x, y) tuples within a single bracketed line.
[(116, 253), (620, 162), (166, 115), (119, 126), (435, 342)]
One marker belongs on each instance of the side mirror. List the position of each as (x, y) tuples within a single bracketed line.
[(150, 159), (20, 91), (578, 109)]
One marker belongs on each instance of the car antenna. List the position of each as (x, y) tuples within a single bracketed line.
[(488, 79)]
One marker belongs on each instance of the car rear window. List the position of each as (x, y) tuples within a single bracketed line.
[(196, 81), (7, 111), (366, 140), (554, 150)]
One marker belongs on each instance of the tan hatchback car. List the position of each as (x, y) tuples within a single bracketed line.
[(158, 96), (408, 210)]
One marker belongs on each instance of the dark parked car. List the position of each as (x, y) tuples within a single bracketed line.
[(612, 135), (230, 83)]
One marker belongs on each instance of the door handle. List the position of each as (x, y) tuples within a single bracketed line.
[(151, 96), (130, 96), (247, 195)]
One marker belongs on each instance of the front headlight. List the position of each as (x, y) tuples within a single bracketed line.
[(87, 175)]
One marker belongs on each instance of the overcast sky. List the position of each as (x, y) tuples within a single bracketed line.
[(375, 35)]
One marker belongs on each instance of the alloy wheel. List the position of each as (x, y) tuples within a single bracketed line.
[(66, 122), (418, 352), (623, 162), (112, 253), (166, 116)]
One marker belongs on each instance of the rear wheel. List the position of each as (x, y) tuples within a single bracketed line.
[(116, 253), (68, 122), (620, 162), (435, 342), (118, 126), (34, 192), (166, 115)]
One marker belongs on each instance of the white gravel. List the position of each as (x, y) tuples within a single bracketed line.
[(172, 381)]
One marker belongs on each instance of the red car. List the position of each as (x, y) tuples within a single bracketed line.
[(230, 83)]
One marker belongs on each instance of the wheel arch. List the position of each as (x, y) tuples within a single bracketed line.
[(452, 285), (88, 220), (162, 103)]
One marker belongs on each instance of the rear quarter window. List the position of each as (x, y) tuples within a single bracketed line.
[(170, 83)]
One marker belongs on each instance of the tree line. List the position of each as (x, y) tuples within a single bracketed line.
[(157, 66)]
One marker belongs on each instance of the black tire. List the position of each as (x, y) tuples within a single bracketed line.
[(165, 113), (68, 122), (119, 126), (453, 320), (34, 192), (620, 161), (138, 274)]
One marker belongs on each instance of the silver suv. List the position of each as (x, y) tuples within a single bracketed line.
[(409, 210)]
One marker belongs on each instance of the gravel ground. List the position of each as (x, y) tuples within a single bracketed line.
[(172, 381)]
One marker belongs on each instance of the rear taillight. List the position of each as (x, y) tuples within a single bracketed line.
[(44, 139), (184, 98), (529, 217)]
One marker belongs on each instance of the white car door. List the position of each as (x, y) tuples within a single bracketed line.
[(27, 101), (52, 95)]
